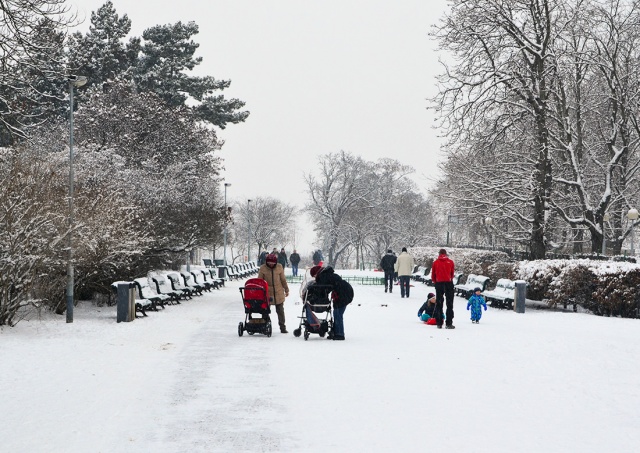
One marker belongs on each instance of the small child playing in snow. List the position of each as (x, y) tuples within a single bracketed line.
[(427, 309), (476, 302)]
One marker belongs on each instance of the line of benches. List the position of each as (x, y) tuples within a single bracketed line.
[(159, 289), (233, 271)]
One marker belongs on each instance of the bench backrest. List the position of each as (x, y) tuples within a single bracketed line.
[(207, 262), (478, 280)]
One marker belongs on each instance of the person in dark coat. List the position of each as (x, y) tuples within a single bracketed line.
[(387, 264), (282, 258), (294, 259), (341, 296), (262, 258), (317, 258)]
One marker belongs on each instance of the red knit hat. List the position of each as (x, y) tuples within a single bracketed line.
[(314, 270), (271, 258)]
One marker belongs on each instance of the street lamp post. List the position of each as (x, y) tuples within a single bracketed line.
[(489, 221), (249, 230), (605, 219), (632, 215), (74, 81), (224, 256)]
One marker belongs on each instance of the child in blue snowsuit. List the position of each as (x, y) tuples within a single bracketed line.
[(476, 302), (427, 309)]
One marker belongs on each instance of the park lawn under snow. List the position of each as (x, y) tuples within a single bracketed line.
[(182, 380)]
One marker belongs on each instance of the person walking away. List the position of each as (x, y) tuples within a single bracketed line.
[(273, 273), (317, 258), (387, 264), (341, 296), (294, 259), (404, 267), (282, 258), (262, 258), (442, 272), (476, 302)]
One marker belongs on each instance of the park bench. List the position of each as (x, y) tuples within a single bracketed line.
[(187, 282), (207, 262), (199, 279), (145, 292), (141, 305), (176, 285), (420, 274), (473, 281), (209, 281), (163, 286), (502, 296), (214, 274)]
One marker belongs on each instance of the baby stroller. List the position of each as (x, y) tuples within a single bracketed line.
[(316, 302), (256, 302)]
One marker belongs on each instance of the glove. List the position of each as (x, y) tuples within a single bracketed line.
[(467, 307), (485, 308)]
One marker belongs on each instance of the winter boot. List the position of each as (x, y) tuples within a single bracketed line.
[(449, 326)]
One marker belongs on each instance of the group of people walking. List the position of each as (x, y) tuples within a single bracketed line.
[(442, 273), (281, 258)]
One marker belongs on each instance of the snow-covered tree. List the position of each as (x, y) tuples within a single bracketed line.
[(28, 59), (167, 53)]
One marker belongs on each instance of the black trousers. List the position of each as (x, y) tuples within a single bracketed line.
[(388, 280), (444, 290)]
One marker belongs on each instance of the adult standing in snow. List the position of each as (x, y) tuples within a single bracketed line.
[(294, 259), (317, 258), (442, 272), (282, 258), (341, 296), (404, 267), (387, 264), (262, 258), (273, 273)]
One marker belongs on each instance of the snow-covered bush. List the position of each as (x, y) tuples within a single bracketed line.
[(603, 287)]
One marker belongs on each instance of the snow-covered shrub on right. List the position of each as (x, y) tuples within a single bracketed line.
[(575, 283), (539, 275), (617, 291)]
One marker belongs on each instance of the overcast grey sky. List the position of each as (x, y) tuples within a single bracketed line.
[(317, 76)]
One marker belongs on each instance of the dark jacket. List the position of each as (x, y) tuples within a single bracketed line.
[(317, 257), (342, 291), (387, 262), (294, 258), (282, 259), (442, 269), (427, 308), (262, 258)]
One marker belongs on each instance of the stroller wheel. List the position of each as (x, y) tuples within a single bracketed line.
[(297, 332), (268, 329), (240, 329), (306, 335)]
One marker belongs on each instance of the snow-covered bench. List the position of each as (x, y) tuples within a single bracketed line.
[(502, 296), (163, 286), (473, 281), (176, 285), (141, 305), (145, 292), (420, 274)]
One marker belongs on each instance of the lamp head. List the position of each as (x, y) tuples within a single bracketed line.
[(77, 81)]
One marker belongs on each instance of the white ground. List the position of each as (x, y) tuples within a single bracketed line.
[(182, 380)]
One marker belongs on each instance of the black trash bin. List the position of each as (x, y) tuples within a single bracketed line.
[(222, 272)]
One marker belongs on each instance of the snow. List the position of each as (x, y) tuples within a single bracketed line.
[(182, 380)]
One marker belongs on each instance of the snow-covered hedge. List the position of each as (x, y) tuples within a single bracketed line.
[(605, 288)]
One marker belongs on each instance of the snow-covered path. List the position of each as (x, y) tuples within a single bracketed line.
[(182, 380)]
